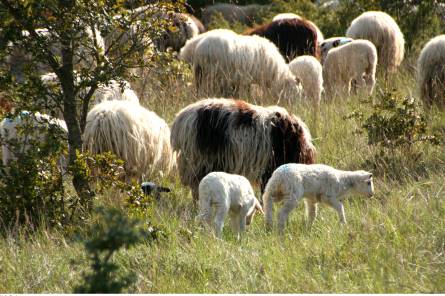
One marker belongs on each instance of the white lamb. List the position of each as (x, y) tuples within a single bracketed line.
[(356, 60), (330, 43), (381, 29), (308, 70), (229, 64), (317, 183), (227, 194)]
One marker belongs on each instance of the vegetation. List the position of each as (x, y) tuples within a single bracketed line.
[(393, 243)]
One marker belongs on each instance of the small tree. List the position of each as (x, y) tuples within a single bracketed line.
[(76, 58)]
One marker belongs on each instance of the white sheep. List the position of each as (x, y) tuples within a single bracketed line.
[(27, 129), (316, 183), (308, 70), (229, 64), (221, 194), (290, 15), (355, 61), (381, 29), (431, 72), (330, 43), (133, 133)]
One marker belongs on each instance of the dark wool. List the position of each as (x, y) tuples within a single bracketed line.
[(293, 37)]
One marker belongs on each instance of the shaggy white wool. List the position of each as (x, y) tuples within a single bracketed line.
[(10, 130), (381, 29), (431, 71), (133, 133), (356, 60), (228, 64), (221, 194), (317, 183), (308, 70)]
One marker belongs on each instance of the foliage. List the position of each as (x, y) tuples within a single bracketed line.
[(395, 121), (113, 231), (32, 185)]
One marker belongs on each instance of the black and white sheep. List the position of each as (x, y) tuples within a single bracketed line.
[(239, 138)]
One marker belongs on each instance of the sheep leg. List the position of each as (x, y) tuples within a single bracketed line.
[(268, 208), (338, 206), (220, 214), (311, 210), (235, 223), (242, 226), (289, 205)]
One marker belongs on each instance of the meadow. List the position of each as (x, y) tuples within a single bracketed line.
[(393, 242)]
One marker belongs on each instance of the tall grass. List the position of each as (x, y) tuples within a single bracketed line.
[(394, 242)]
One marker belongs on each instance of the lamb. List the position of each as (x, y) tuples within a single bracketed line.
[(317, 183), (27, 130), (330, 43), (356, 60), (431, 72), (219, 135), (293, 37), (133, 133), (381, 29), (310, 73), (229, 64), (289, 15), (227, 194)]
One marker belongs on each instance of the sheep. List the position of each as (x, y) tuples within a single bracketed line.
[(310, 73), (228, 64), (28, 129), (187, 52), (293, 37), (381, 29), (227, 194), (18, 58), (356, 60), (133, 133), (289, 15), (330, 43), (245, 15), (316, 183), (219, 135), (431, 72)]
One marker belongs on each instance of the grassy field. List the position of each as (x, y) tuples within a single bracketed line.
[(394, 242)]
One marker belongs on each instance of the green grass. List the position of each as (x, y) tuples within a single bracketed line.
[(394, 242)]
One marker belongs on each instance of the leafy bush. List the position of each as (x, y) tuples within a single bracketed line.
[(113, 231)]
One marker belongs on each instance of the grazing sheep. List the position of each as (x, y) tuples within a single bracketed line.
[(227, 194), (356, 60), (237, 137), (381, 29), (317, 183), (83, 58), (431, 72), (228, 64), (187, 52), (27, 129), (184, 28), (283, 16), (330, 43), (308, 70), (245, 15), (293, 37), (133, 134)]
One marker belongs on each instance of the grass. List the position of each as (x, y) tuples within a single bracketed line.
[(394, 242)]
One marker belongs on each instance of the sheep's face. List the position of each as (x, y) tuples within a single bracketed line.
[(364, 184)]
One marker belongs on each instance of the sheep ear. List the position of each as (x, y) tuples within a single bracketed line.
[(369, 175), (259, 207), (336, 43)]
